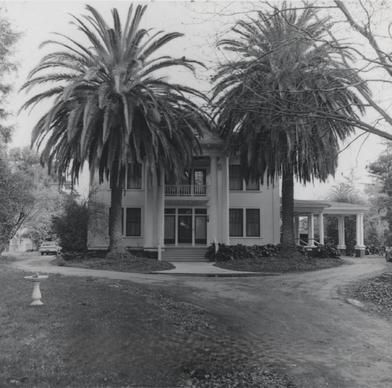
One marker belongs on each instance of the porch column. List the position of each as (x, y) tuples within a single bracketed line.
[(213, 200), (321, 228), (311, 231), (225, 200), (359, 247), (149, 209), (296, 230), (342, 243), (161, 214)]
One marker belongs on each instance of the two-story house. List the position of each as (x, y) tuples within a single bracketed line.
[(213, 204)]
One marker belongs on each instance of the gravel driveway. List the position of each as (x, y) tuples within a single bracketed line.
[(302, 323)]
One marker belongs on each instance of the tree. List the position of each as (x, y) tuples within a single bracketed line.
[(111, 106), (381, 169), (48, 197), (284, 101), (16, 201), (8, 38)]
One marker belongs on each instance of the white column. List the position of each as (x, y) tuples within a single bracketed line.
[(311, 231), (359, 232), (342, 242), (296, 230), (213, 200), (161, 214), (321, 228), (149, 206), (225, 200)]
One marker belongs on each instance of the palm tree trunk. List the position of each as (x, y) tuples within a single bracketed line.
[(288, 237), (115, 213)]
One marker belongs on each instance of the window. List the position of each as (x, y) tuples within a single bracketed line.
[(133, 222), (251, 218), (134, 176), (253, 222), (235, 177), (253, 184), (236, 221)]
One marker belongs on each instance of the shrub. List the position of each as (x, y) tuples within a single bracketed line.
[(71, 226), (242, 252), (324, 251)]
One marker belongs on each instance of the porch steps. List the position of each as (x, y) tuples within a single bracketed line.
[(184, 254)]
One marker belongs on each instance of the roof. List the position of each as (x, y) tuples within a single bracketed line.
[(307, 206)]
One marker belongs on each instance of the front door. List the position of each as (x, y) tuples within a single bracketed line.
[(200, 229), (185, 226)]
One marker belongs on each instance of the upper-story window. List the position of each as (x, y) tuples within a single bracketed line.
[(237, 181), (134, 176), (235, 177)]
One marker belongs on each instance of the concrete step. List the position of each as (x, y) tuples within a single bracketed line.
[(188, 254)]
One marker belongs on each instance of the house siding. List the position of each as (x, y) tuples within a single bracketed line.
[(218, 201)]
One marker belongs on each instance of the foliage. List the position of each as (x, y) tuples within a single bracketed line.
[(71, 226), (16, 201), (283, 100), (8, 38), (381, 197), (48, 198), (244, 252), (111, 104)]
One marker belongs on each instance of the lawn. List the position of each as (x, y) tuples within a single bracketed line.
[(278, 264), (104, 333), (134, 264)]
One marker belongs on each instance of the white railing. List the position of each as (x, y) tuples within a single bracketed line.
[(186, 190)]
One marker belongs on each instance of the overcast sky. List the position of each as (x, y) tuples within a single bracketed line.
[(36, 20)]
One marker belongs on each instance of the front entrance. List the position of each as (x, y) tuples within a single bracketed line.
[(185, 226)]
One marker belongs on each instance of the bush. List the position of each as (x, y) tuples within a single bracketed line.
[(71, 226), (243, 252)]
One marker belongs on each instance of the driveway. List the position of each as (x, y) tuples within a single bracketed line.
[(298, 322), (301, 322)]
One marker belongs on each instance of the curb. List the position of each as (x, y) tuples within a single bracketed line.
[(218, 275)]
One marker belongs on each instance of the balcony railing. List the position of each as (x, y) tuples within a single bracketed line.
[(186, 190)]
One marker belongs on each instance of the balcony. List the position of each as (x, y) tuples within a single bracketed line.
[(186, 190)]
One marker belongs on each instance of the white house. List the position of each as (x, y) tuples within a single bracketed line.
[(213, 204)]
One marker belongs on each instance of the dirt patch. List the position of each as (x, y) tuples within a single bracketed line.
[(376, 293), (134, 264), (96, 332), (280, 264)]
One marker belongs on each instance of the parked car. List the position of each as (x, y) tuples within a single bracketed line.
[(49, 248)]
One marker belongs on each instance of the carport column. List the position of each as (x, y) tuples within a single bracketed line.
[(342, 243), (296, 230), (321, 228), (311, 231), (360, 247)]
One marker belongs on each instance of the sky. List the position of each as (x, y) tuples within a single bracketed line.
[(198, 20)]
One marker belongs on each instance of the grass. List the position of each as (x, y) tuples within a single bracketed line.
[(297, 263), (134, 264), (103, 333)]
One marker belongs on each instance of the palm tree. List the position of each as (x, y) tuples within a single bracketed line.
[(111, 105), (283, 101)]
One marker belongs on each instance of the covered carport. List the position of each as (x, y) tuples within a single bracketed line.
[(318, 209)]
